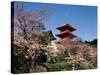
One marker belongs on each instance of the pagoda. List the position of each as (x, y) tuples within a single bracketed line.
[(66, 31)]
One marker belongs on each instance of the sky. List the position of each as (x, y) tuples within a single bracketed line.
[(83, 18)]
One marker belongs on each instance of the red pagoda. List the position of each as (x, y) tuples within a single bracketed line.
[(66, 32)]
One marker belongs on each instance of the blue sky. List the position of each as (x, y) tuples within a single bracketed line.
[(83, 18)]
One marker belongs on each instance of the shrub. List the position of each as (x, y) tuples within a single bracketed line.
[(61, 58), (61, 66)]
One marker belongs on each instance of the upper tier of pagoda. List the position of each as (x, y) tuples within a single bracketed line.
[(66, 27), (66, 31)]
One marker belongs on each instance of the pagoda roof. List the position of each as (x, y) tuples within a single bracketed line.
[(65, 34), (66, 27), (50, 34)]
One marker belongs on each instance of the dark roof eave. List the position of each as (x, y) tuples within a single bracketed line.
[(66, 25)]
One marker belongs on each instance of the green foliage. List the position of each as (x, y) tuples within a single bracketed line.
[(73, 51), (86, 66), (83, 66), (93, 42), (19, 59), (66, 53), (61, 66), (91, 66), (44, 40), (61, 58)]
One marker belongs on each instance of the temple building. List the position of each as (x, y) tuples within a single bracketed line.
[(66, 32), (50, 34)]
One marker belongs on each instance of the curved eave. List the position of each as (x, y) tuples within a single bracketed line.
[(67, 34), (66, 27)]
